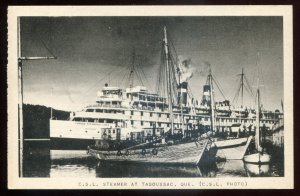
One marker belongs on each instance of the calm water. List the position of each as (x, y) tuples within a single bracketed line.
[(40, 161)]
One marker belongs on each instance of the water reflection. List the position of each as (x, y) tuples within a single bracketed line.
[(41, 162), (36, 159), (257, 169), (231, 168), (128, 169)]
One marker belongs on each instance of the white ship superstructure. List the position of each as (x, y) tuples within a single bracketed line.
[(136, 110)]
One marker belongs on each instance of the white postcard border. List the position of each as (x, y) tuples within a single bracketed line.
[(14, 182)]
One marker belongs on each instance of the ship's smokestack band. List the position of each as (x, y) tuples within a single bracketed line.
[(206, 95), (182, 93)]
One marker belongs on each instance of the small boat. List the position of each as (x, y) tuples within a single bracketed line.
[(193, 153), (258, 156), (233, 148)]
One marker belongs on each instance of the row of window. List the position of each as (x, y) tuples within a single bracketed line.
[(148, 98), (109, 102), (168, 115), (150, 114), (77, 119), (109, 131), (151, 123), (105, 111)]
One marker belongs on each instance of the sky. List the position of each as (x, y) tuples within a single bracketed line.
[(92, 51)]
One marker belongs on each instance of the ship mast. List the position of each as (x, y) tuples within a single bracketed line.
[(242, 78), (168, 78), (131, 74), (180, 100), (242, 100), (212, 104), (257, 135), (20, 84), (181, 111)]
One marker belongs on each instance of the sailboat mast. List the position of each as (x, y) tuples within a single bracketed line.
[(168, 78), (242, 78), (257, 135), (212, 104)]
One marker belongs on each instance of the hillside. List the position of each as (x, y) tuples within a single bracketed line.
[(36, 120)]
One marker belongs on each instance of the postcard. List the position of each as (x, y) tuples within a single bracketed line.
[(150, 97)]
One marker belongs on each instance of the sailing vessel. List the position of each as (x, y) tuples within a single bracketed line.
[(170, 147), (230, 145), (258, 156)]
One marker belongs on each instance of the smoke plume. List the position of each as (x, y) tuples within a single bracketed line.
[(203, 68), (186, 69)]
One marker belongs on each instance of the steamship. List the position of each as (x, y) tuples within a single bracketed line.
[(134, 118)]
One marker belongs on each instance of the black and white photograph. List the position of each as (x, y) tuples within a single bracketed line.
[(143, 100)]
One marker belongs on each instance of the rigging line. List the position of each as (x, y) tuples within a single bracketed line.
[(171, 80), (165, 79), (158, 82), (142, 74), (119, 72), (248, 83), (249, 86), (175, 62), (172, 45), (174, 92), (162, 84), (128, 78), (173, 70), (47, 48), (128, 74), (249, 90), (163, 74), (120, 82), (147, 81), (139, 76), (162, 77), (99, 80), (94, 85), (236, 95), (262, 79), (124, 75), (219, 88), (238, 91), (176, 68), (175, 84)]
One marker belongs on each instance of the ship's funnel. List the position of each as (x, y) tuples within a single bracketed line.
[(206, 95), (182, 93)]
